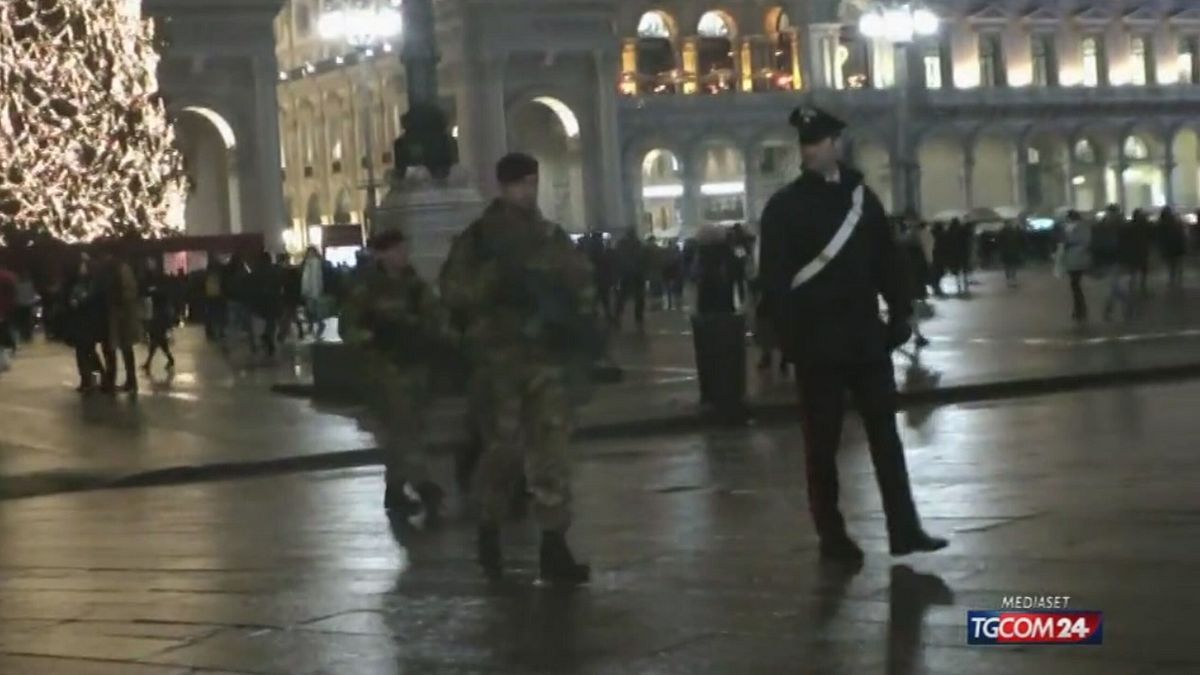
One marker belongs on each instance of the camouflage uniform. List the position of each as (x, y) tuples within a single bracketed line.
[(523, 296), (399, 327)]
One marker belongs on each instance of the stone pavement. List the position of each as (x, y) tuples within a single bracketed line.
[(704, 557), (218, 412)]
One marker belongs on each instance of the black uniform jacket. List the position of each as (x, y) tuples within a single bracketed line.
[(834, 318)]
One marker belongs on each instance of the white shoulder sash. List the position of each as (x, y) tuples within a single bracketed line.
[(814, 267)]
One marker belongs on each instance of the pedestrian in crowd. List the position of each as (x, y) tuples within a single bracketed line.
[(85, 322), (216, 310), (1139, 239), (1076, 260), (631, 258), (124, 322), (1112, 251), (823, 283), (941, 258), (394, 320), (312, 291), (264, 300), (1172, 244), (604, 274), (26, 303), (1012, 251), (8, 309), (235, 285), (525, 296), (673, 276), (916, 267), (160, 318), (958, 254), (741, 243), (289, 313)]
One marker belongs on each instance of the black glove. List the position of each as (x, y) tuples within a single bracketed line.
[(898, 333)]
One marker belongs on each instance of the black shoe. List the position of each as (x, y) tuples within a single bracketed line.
[(841, 549), (171, 364), (558, 566), (488, 550), (130, 387), (920, 542)]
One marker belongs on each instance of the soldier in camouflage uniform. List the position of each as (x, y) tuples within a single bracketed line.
[(523, 296), (394, 319)]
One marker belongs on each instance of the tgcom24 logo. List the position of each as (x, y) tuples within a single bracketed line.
[(1052, 627)]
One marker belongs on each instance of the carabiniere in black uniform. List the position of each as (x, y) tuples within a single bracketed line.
[(827, 255)]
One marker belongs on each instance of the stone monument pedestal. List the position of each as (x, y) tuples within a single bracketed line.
[(431, 213)]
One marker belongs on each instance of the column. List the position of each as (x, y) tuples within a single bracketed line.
[(1069, 173), (746, 68), (265, 202), (1169, 165), (822, 48), (613, 209), (799, 79), (690, 57), (1021, 175), (906, 195), (1122, 167), (483, 129), (691, 192), (969, 175)]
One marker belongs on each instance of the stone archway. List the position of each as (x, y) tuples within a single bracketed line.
[(1185, 179), (1046, 180), (313, 214), (548, 129), (943, 183), (1143, 179), (209, 148), (722, 174)]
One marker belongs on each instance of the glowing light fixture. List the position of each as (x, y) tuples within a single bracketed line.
[(361, 26), (899, 23)]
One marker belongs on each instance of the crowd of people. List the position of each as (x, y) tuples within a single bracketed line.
[(105, 303)]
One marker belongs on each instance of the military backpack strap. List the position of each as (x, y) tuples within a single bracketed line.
[(835, 245)]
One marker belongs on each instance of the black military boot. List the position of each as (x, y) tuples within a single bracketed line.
[(558, 566), (488, 548), (841, 548), (918, 541)]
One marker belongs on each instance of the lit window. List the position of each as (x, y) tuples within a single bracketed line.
[(1091, 66), (714, 25), (1137, 61), (1084, 152), (1189, 69), (933, 68), (653, 25), (1136, 149), (991, 61)]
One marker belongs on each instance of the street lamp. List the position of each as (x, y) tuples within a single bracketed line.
[(901, 23), (363, 25)]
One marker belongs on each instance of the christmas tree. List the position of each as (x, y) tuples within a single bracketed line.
[(86, 150)]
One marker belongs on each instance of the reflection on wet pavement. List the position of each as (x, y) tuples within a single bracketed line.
[(704, 554)]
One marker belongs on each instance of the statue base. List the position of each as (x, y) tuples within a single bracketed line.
[(431, 213)]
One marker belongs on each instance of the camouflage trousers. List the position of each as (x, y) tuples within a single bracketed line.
[(524, 418), (396, 405)]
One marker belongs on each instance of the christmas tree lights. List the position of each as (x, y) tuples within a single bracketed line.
[(86, 150)]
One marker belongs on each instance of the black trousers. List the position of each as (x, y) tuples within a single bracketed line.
[(159, 339), (109, 351), (635, 287), (823, 407), (1078, 300), (87, 361)]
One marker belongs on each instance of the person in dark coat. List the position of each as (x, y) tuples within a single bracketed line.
[(156, 291), (1139, 239), (958, 253), (827, 255), (85, 322), (1172, 243), (941, 259), (264, 299), (1012, 249), (631, 262)]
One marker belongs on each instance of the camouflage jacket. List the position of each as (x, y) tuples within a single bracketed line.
[(519, 290), (396, 319)]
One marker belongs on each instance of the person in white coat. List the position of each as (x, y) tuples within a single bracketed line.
[(1076, 259), (312, 290)]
